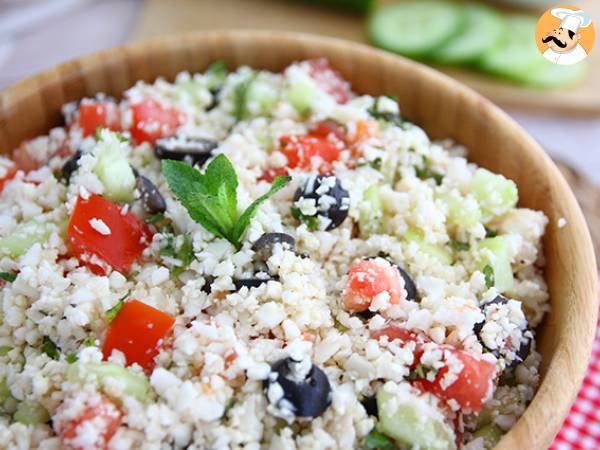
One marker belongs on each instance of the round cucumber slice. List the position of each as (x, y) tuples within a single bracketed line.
[(484, 27), (414, 28), (516, 56), (551, 76)]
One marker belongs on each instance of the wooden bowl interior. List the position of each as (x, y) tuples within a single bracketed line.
[(443, 107)]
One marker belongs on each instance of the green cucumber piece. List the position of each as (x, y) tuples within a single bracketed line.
[(462, 212), (496, 254), (25, 236), (491, 435), (415, 28), (515, 56), (134, 384), (551, 76), (260, 98), (438, 252), (411, 420), (371, 212), (495, 193), (31, 413), (113, 169), (483, 29), (301, 95)]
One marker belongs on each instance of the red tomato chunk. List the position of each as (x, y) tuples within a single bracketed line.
[(121, 242), (329, 79), (310, 151), (8, 173), (138, 331), (86, 423), (96, 114), (367, 278), (152, 121)]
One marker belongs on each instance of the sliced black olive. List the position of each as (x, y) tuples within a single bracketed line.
[(208, 281), (409, 284), (250, 282), (370, 405), (187, 149), (71, 166), (367, 314), (331, 200), (152, 200), (521, 352), (306, 389), (263, 247)]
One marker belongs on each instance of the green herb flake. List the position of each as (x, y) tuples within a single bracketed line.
[(490, 233), (488, 271), (71, 358), (240, 97), (311, 221), (112, 312), (378, 441), (8, 277), (183, 251), (425, 173), (50, 348), (387, 117), (89, 341), (419, 373), (211, 198), (216, 73), (230, 404), (459, 246), (4, 349)]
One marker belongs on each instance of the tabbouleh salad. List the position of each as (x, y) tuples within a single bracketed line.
[(261, 260)]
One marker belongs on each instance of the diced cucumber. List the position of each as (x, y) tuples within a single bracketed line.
[(515, 56), (495, 194), (411, 420), (112, 168), (463, 212), (134, 384), (8, 404), (301, 94), (31, 413), (371, 212), (491, 435), (415, 28), (483, 29), (495, 253), (260, 98), (436, 251), (24, 237)]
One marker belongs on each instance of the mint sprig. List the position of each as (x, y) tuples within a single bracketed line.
[(211, 198)]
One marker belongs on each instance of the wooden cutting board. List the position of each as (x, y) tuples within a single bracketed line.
[(160, 17)]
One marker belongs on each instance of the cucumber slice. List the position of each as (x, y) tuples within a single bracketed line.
[(415, 28), (25, 236), (371, 212), (483, 29), (301, 94), (463, 212), (516, 56), (261, 98), (496, 254), (411, 420), (112, 168), (136, 385), (435, 251), (491, 435), (551, 76), (31, 413), (495, 194)]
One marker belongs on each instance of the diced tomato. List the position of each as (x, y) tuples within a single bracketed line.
[(310, 151), (329, 79), (367, 278), (74, 421), (270, 174), (328, 128), (394, 332), (9, 172), (95, 114), (465, 379), (125, 238), (138, 331), (152, 121)]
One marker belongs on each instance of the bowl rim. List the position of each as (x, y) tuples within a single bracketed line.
[(573, 361)]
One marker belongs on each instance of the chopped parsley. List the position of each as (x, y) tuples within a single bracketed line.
[(71, 358), (50, 348), (378, 441), (459, 246), (8, 277), (312, 222), (112, 312), (490, 280)]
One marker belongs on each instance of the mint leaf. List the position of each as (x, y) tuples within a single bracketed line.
[(243, 222), (216, 72), (8, 277), (211, 198), (50, 348)]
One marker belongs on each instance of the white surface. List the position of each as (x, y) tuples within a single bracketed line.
[(106, 23)]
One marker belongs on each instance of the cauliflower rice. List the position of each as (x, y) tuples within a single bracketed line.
[(401, 292)]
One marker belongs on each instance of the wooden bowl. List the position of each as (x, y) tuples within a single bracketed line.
[(442, 106)]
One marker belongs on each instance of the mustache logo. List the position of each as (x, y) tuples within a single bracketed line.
[(555, 40)]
